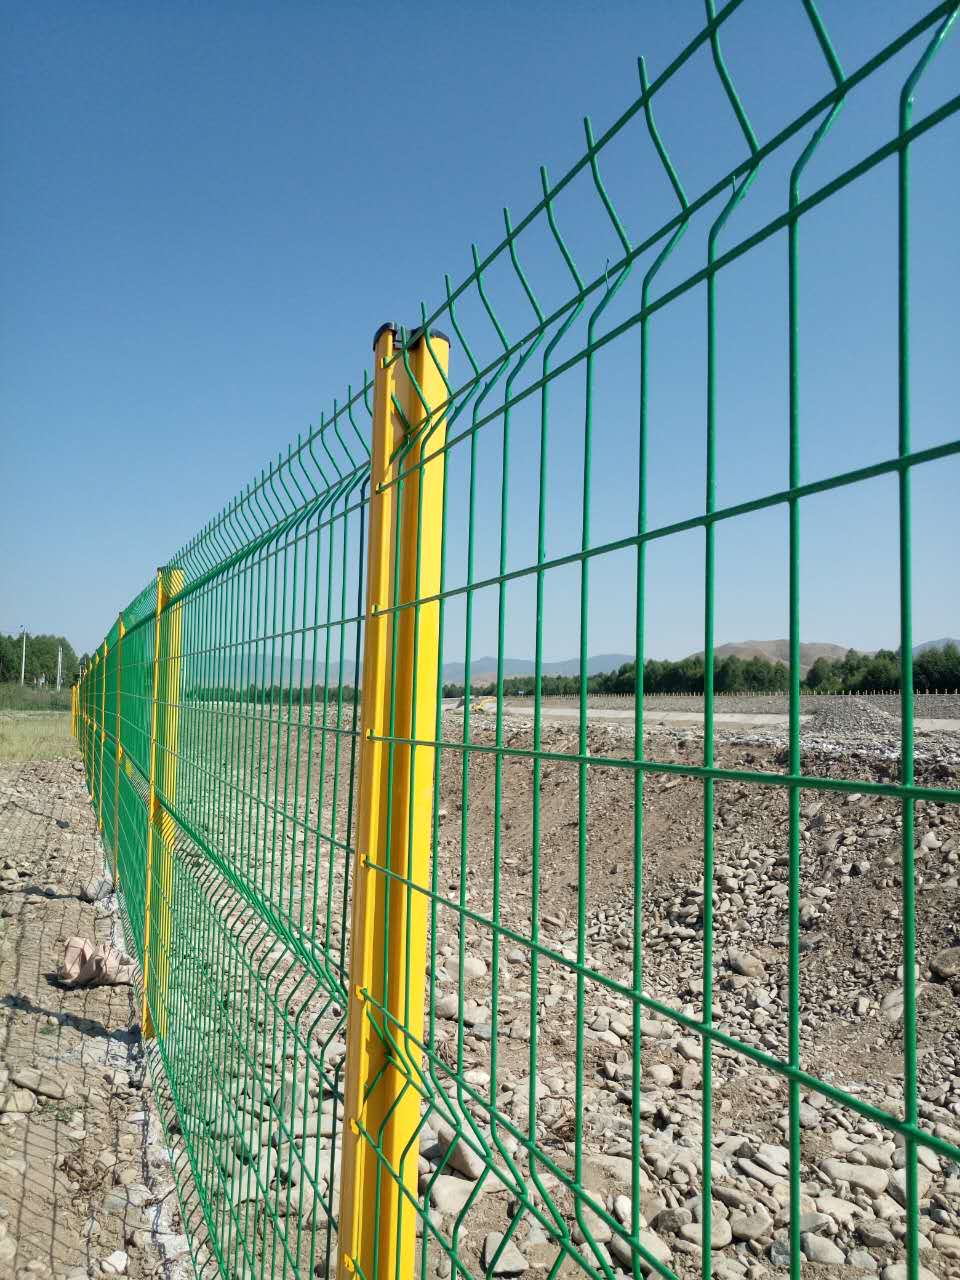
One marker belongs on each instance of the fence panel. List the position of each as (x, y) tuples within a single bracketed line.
[(289, 865)]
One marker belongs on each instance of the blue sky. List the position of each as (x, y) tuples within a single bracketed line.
[(208, 210)]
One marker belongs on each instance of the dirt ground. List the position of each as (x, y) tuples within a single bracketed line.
[(492, 898), (85, 1189), (608, 1066)]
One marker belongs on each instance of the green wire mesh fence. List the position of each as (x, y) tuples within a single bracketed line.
[(222, 728)]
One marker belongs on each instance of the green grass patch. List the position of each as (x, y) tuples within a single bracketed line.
[(15, 698), (35, 735)]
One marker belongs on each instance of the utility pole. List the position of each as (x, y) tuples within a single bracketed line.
[(59, 666), (23, 654)]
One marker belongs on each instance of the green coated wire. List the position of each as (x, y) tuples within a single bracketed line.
[(249, 949)]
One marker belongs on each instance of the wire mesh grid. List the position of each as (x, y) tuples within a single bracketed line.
[(236, 682)]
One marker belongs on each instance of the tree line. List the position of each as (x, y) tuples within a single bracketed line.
[(41, 660), (274, 695), (870, 673), (854, 673)]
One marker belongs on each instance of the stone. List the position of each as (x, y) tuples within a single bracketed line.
[(720, 1233), (757, 1171), (815, 1222), (840, 1210), (874, 1233), (593, 1226), (672, 1221), (863, 1259), (40, 1082), (898, 1271), (448, 1005), (751, 1226), (820, 1249), (473, 966), (946, 964), (809, 1116), (462, 1157), (886, 1207), (621, 1252), (877, 1155), (891, 1006), (115, 1264), (511, 1261), (743, 963), (898, 1184), (864, 1176), (623, 1208), (780, 1252), (929, 1159), (18, 1101), (734, 1198), (96, 889), (449, 1194)]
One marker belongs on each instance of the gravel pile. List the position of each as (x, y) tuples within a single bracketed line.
[(852, 718)]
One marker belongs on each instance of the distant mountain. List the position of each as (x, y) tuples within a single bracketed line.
[(778, 651), (934, 644), (484, 670)]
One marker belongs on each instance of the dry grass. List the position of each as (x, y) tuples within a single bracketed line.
[(35, 735)]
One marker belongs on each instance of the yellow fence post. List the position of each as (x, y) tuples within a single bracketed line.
[(161, 828), (119, 757), (92, 717), (385, 1018), (103, 733)]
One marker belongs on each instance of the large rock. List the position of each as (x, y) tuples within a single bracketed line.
[(873, 1181), (473, 967), (621, 1252), (96, 889), (720, 1233), (511, 1261), (18, 1101), (47, 1086), (743, 963), (450, 1194), (820, 1249), (863, 1259), (898, 1184), (874, 1233), (461, 1156), (751, 1226), (946, 964)]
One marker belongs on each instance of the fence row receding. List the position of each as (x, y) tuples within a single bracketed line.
[(380, 1013)]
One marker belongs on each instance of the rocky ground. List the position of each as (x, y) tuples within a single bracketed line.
[(544, 948), (84, 1186), (851, 998), (941, 706), (490, 1208)]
